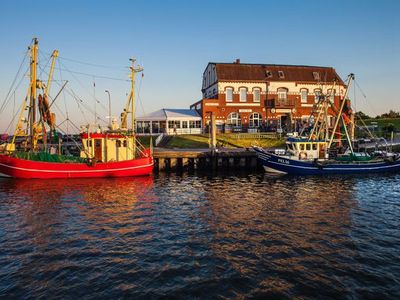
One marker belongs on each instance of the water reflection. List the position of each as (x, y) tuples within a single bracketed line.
[(186, 236)]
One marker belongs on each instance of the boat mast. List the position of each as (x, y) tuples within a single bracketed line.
[(339, 116), (133, 72), (32, 105)]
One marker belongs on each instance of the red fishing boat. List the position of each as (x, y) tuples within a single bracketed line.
[(113, 152)]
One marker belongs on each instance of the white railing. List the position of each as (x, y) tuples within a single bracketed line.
[(158, 139), (171, 131)]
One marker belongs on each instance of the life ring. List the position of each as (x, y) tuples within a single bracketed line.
[(303, 155)]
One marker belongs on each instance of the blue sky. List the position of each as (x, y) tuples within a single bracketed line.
[(174, 41)]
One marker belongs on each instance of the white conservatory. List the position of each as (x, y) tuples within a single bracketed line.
[(169, 121)]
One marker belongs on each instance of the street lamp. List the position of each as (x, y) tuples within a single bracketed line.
[(109, 106)]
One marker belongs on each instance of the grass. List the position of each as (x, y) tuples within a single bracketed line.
[(223, 140), (145, 140), (188, 141), (382, 122)]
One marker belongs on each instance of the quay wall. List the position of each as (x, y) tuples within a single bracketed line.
[(205, 160)]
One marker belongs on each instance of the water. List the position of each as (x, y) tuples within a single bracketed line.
[(193, 236)]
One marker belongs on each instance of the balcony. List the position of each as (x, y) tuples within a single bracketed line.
[(280, 103)]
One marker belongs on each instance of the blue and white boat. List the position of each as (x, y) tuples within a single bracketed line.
[(313, 162), (322, 151)]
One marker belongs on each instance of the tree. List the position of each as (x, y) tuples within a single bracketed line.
[(389, 127), (390, 115), (361, 115)]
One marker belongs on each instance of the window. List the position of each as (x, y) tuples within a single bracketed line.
[(316, 75), (331, 94), (270, 103), (308, 147), (317, 94), (234, 119), (303, 94), (314, 146), (268, 73), (184, 124), (281, 74), (125, 144), (229, 94), (195, 124), (255, 120), (282, 94), (118, 143), (174, 124), (256, 95), (243, 94), (301, 147)]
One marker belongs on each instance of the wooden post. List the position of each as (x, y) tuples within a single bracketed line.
[(213, 143)]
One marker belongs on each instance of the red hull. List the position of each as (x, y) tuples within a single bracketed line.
[(21, 168)]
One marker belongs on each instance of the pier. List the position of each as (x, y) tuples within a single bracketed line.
[(204, 159)]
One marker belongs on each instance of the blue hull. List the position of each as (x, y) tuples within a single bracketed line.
[(297, 167)]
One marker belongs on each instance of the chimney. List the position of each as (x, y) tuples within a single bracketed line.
[(237, 61)]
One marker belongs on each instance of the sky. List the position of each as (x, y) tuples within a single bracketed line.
[(174, 41)]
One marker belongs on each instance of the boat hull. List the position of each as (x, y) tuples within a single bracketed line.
[(21, 168), (297, 167)]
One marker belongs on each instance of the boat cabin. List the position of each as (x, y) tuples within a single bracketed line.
[(305, 149), (108, 147)]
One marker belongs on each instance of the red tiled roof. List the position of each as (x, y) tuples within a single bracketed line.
[(260, 72)]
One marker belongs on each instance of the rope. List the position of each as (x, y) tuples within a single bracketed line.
[(94, 75), (91, 94), (5, 102), (87, 63), (365, 98)]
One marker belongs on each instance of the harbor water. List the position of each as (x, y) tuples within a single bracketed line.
[(201, 236)]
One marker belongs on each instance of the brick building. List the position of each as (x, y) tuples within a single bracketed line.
[(254, 97)]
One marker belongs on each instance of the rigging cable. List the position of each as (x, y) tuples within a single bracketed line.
[(79, 100), (65, 101), (88, 63), (365, 98), (13, 82), (81, 84), (138, 94)]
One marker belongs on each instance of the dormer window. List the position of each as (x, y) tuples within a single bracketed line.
[(268, 73), (281, 74), (316, 75)]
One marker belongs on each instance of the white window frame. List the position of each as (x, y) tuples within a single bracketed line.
[(317, 93), (281, 74), (316, 76), (234, 119), (257, 91), (229, 99), (332, 94), (303, 95), (255, 118), (243, 94), (282, 92)]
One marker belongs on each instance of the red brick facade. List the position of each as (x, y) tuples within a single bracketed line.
[(286, 95)]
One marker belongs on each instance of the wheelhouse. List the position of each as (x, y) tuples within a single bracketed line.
[(307, 149)]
